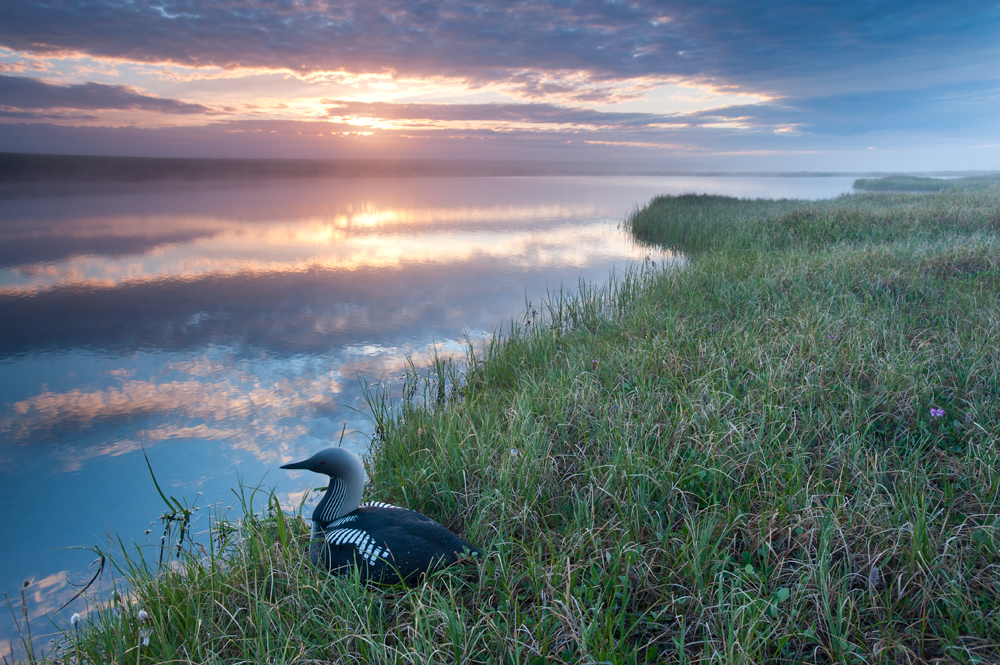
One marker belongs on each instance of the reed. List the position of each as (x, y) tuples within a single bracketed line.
[(787, 450)]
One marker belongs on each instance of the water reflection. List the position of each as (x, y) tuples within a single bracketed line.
[(225, 328), (378, 239), (308, 310)]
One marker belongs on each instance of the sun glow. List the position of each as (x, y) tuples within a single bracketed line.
[(241, 95)]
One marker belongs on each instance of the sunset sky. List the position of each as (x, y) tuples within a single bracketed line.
[(679, 85)]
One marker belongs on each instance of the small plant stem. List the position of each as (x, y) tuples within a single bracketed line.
[(20, 632)]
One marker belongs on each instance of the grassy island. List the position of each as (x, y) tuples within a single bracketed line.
[(784, 450), (908, 183)]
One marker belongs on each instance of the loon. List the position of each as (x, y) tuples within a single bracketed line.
[(385, 543)]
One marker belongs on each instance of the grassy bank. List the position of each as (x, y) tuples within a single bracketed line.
[(785, 451), (706, 223)]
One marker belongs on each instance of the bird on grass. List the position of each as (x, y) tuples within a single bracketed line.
[(384, 543)]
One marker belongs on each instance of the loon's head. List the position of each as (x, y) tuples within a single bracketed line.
[(347, 482), (334, 462)]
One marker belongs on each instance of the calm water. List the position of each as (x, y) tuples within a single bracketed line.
[(225, 327)]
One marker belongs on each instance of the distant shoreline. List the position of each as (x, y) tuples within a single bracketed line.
[(29, 167)]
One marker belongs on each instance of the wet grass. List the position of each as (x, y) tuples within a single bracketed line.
[(786, 451)]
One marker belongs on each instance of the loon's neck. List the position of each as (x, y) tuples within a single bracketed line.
[(343, 496)]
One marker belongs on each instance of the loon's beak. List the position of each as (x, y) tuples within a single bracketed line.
[(296, 465)]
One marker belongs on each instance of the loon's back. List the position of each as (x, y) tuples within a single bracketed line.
[(388, 544)]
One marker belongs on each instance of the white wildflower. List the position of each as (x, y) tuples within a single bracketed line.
[(143, 615), (75, 619)]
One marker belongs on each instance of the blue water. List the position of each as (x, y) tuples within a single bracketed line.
[(225, 327)]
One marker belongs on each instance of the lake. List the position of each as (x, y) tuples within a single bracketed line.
[(226, 328)]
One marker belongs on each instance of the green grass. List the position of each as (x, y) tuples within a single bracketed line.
[(906, 183), (733, 461), (699, 223)]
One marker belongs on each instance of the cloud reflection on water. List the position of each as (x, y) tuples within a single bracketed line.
[(305, 311), (271, 410), (308, 247)]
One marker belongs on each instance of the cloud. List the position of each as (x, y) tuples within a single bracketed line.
[(32, 115), (32, 94), (953, 107), (818, 71), (21, 65), (537, 48), (490, 113)]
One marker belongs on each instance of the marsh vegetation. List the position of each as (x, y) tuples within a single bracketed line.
[(784, 451), (907, 183)]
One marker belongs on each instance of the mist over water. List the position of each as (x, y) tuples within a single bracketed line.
[(225, 327)]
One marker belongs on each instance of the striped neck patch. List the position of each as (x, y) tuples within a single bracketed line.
[(329, 507)]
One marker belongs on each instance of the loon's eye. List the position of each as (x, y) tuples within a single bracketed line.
[(323, 462)]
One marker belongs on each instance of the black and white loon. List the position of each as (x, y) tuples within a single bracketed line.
[(385, 543)]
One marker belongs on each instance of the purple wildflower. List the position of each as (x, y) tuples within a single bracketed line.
[(936, 412)]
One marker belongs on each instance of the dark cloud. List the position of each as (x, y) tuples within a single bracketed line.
[(519, 113), (35, 115), (27, 94), (768, 46)]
